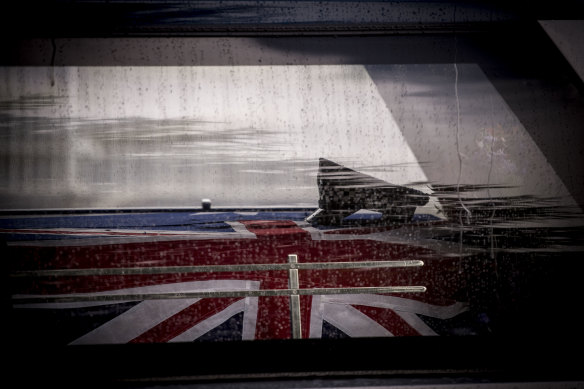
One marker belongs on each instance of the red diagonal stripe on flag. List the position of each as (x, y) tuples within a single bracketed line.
[(265, 228), (185, 319)]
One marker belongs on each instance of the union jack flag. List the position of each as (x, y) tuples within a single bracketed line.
[(130, 278)]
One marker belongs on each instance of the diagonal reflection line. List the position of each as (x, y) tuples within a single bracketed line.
[(215, 268), (210, 294)]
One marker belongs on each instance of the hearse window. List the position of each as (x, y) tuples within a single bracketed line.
[(227, 190)]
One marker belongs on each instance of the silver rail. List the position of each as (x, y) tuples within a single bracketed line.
[(213, 268), (294, 291), (208, 294), (294, 285)]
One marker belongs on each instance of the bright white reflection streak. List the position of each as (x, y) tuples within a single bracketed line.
[(169, 136)]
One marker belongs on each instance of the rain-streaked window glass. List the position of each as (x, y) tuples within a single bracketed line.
[(281, 192)]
